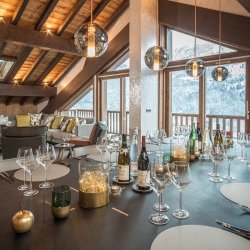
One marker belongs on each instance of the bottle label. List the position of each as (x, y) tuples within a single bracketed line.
[(123, 151), (143, 178), (123, 172), (133, 168)]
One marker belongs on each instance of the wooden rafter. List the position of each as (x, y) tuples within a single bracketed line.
[(98, 10), (35, 65), (23, 100), (92, 67), (8, 100), (52, 65), (245, 4), (40, 100), (19, 11), (8, 58), (181, 18), (70, 17), (2, 47), (46, 13), (26, 90)]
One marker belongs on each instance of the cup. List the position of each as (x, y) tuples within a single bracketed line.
[(61, 198)]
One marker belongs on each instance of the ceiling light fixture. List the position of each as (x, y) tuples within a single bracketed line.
[(91, 40), (219, 73), (156, 57), (195, 67)]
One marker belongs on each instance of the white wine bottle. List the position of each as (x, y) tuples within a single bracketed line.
[(124, 162)]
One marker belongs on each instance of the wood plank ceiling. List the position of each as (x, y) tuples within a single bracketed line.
[(36, 66)]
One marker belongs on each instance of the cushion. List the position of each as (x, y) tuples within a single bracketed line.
[(76, 123), (63, 125), (49, 121), (24, 131), (78, 141), (70, 125), (94, 133), (56, 122), (23, 120), (35, 119)]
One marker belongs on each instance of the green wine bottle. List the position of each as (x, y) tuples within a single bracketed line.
[(124, 162), (193, 141), (218, 137)]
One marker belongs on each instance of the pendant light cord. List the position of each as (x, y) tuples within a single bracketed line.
[(219, 30), (91, 11), (195, 29), (157, 24)]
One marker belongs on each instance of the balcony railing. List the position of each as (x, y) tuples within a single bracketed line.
[(234, 124), (86, 113)]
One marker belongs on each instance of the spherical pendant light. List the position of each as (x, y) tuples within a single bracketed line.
[(195, 67), (91, 40), (219, 73), (156, 58)]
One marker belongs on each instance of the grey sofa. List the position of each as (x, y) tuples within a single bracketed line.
[(14, 138)]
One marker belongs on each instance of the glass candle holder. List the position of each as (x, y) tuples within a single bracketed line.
[(61, 199)]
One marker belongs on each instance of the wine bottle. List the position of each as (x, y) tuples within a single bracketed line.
[(124, 162), (218, 137), (199, 133), (193, 142), (133, 153), (143, 167)]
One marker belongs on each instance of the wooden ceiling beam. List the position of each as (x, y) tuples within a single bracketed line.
[(91, 68), (180, 17), (19, 11), (98, 10), (8, 100), (35, 39), (245, 4), (40, 100), (27, 90), (2, 47), (23, 100), (35, 65), (8, 58), (46, 13), (71, 16), (52, 65)]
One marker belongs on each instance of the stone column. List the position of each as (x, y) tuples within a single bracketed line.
[(143, 81)]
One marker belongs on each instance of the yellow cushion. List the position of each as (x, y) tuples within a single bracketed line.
[(22, 120), (70, 126), (56, 122)]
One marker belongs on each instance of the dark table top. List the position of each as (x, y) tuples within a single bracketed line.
[(103, 228)]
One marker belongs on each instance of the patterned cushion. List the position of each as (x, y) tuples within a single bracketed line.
[(70, 125), (93, 134), (77, 122), (56, 122), (23, 120), (35, 119), (49, 121), (64, 125)]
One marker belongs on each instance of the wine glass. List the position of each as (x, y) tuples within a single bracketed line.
[(116, 146), (150, 136), (160, 177), (181, 177), (216, 154), (101, 145), (111, 150), (30, 167), (45, 156), (241, 141), (230, 154), (21, 161), (161, 136)]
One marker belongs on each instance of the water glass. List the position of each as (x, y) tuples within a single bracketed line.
[(230, 154), (216, 154)]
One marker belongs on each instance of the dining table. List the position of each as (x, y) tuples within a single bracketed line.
[(123, 223)]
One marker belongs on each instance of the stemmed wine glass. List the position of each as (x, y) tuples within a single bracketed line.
[(116, 146), (181, 177), (101, 145), (230, 154), (30, 167), (45, 156), (241, 142), (216, 154), (21, 161), (111, 150), (150, 136), (161, 137), (160, 177)]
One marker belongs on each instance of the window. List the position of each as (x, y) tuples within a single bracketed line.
[(86, 102), (181, 46)]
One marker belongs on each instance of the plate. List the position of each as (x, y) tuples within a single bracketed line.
[(115, 180), (136, 189)]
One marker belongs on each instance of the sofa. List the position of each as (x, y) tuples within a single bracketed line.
[(13, 138)]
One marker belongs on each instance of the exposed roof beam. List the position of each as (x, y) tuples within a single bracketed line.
[(181, 17), (52, 65), (19, 11), (2, 47), (40, 100), (32, 38), (66, 71), (71, 16), (35, 65), (245, 4), (46, 13), (23, 100), (27, 90), (117, 14), (19, 62), (8, 100), (98, 10), (91, 67), (8, 58)]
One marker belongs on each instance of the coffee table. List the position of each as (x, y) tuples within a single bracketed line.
[(61, 149)]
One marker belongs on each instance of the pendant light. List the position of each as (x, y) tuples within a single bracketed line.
[(195, 67), (91, 40), (156, 57), (219, 73)]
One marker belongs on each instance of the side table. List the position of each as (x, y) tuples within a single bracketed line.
[(61, 159)]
